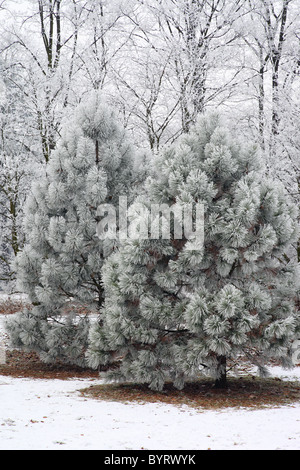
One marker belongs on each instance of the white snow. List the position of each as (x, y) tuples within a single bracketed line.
[(38, 414)]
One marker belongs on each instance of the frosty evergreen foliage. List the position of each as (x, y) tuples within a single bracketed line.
[(171, 313), (60, 265)]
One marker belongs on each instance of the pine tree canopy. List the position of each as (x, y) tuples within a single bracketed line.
[(172, 311), (60, 265)]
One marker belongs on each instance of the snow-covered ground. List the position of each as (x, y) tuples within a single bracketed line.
[(51, 414)]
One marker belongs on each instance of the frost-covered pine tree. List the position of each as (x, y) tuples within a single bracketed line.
[(60, 265), (173, 309)]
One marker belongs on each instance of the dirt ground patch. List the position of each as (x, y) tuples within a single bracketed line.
[(28, 364), (244, 392), (248, 391), (9, 306)]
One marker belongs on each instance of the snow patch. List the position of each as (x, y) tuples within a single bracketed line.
[(44, 414)]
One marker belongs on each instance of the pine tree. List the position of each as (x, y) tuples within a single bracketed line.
[(60, 265), (174, 310)]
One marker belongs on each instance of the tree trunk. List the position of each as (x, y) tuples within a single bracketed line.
[(221, 380), (261, 99)]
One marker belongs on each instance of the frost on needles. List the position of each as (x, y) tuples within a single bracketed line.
[(60, 265), (171, 313)]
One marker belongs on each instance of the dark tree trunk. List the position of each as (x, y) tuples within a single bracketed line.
[(97, 152), (221, 380)]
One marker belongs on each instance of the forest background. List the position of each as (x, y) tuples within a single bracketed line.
[(159, 63)]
